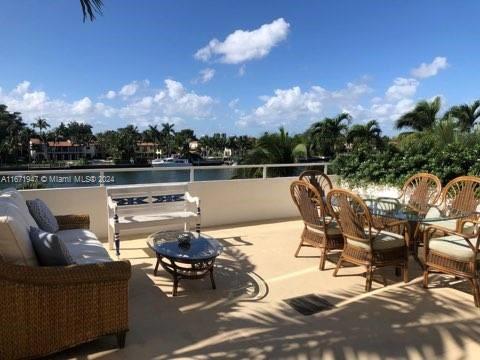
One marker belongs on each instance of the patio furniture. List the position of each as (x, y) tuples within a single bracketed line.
[(319, 230), (44, 310), (318, 179), (194, 261), (366, 242), (388, 211), (139, 207), (454, 254), (421, 191), (459, 196)]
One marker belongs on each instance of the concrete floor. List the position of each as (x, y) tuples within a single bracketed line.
[(247, 318)]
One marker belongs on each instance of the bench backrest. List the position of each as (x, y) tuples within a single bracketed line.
[(135, 199)]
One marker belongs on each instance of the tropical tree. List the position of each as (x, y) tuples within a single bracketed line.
[(12, 135), (168, 135), (41, 125), (127, 139), (369, 133), (466, 115), (79, 133), (328, 136), (422, 117)]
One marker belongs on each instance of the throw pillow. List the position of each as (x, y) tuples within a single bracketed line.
[(42, 215), (49, 249)]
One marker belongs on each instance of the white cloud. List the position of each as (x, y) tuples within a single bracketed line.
[(129, 89), (291, 105), (402, 88), (23, 87), (426, 70), (173, 102), (206, 75), (243, 45), (82, 106), (110, 94), (233, 103)]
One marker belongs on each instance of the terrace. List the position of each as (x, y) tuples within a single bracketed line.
[(247, 316)]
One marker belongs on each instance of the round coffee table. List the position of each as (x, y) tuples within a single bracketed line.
[(192, 262)]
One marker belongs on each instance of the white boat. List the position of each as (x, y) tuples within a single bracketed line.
[(170, 162)]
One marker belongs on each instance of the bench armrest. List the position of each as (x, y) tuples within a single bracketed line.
[(67, 222), (112, 204), (192, 199)]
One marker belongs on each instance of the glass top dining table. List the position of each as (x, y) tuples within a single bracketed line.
[(387, 208), (393, 208)]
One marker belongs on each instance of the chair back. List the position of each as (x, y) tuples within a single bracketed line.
[(462, 194), (422, 190), (351, 213), (318, 179), (309, 202)]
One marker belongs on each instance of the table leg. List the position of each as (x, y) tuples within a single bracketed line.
[(212, 279), (413, 238), (156, 266), (175, 279)]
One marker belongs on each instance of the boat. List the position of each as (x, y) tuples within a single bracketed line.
[(171, 162)]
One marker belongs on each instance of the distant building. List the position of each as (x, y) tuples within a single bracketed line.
[(147, 150), (60, 150)]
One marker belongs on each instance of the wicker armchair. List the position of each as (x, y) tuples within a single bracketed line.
[(366, 242), (454, 254), (461, 195), (318, 179), (44, 310), (319, 231), (420, 191)]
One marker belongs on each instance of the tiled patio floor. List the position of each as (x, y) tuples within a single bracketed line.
[(247, 318)]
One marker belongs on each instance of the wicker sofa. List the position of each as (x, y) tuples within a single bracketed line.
[(47, 309)]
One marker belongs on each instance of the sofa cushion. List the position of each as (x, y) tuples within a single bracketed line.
[(49, 249), (14, 197), (15, 245), (42, 215), (83, 246)]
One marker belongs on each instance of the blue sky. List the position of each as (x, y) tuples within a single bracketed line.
[(273, 62)]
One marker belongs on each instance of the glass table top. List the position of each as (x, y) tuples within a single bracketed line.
[(202, 247), (395, 209)]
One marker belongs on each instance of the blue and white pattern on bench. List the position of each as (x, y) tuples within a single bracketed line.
[(140, 200), (157, 199)]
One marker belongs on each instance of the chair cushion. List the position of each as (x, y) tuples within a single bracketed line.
[(43, 216), (83, 246), (14, 197), (15, 244), (453, 246), (332, 229), (385, 240), (49, 249)]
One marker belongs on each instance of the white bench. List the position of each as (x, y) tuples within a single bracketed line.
[(141, 206)]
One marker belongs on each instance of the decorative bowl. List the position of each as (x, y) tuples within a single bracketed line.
[(184, 239)]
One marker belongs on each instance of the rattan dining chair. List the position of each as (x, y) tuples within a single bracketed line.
[(454, 254), (318, 179), (461, 195), (366, 242), (319, 230), (420, 191)]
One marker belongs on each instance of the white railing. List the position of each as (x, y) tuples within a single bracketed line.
[(37, 173)]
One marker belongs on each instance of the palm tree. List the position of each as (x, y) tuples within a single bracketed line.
[(168, 134), (327, 137), (422, 117), (90, 8), (273, 148), (369, 133), (41, 124), (466, 115)]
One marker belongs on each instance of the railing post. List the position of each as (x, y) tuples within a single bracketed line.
[(264, 175), (192, 174), (325, 169)]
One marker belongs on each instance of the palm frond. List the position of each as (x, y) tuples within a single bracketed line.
[(90, 8)]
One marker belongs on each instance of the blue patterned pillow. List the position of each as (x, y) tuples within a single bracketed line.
[(50, 250), (42, 215)]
